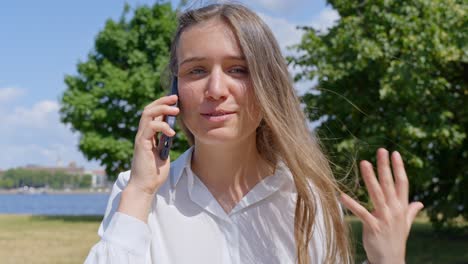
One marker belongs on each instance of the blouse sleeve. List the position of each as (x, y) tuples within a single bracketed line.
[(124, 239)]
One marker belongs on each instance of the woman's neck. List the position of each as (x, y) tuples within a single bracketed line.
[(229, 171)]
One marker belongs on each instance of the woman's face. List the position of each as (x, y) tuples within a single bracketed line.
[(215, 90)]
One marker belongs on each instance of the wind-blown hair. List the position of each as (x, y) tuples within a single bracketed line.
[(283, 133)]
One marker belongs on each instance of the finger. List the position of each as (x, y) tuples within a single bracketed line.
[(413, 210), (385, 175), (401, 180), (154, 127), (157, 112), (167, 100), (373, 186), (358, 210)]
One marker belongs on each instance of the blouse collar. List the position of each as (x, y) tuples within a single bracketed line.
[(200, 194)]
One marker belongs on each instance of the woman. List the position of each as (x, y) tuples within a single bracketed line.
[(254, 187)]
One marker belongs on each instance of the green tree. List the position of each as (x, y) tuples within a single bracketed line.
[(123, 73), (85, 181), (394, 74), (20, 177)]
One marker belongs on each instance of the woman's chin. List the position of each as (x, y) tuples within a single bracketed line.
[(217, 136)]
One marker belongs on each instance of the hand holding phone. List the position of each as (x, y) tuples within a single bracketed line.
[(150, 164), (148, 170)]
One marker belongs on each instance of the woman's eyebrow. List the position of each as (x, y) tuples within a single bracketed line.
[(192, 59), (234, 57)]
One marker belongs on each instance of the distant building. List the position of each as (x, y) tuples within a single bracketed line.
[(98, 178), (70, 169)]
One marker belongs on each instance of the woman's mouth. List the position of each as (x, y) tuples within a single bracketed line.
[(218, 116)]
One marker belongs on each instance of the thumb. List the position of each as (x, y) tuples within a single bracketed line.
[(413, 210)]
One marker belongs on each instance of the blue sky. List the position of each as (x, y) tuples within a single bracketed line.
[(41, 41)]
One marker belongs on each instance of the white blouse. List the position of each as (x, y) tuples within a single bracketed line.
[(187, 225)]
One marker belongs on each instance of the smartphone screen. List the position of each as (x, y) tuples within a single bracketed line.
[(171, 120)]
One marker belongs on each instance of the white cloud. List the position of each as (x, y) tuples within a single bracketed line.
[(35, 135), (280, 6), (303, 87), (287, 35), (20, 155), (40, 115), (284, 31), (24, 154), (325, 19), (275, 5), (322, 22), (8, 94)]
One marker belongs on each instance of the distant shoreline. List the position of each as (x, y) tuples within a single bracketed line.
[(51, 191)]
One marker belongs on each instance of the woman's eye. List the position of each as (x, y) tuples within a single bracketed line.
[(197, 71), (239, 70)]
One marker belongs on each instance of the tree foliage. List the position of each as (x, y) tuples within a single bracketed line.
[(394, 74), (17, 178), (122, 74)]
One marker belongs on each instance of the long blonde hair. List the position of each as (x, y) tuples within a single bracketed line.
[(283, 133)]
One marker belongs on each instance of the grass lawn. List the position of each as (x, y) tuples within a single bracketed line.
[(45, 239)]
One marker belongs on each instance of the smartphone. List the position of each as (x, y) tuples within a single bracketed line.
[(171, 120)]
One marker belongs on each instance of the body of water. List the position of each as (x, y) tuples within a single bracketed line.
[(54, 204)]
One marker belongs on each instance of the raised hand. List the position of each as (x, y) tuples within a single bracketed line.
[(148, 171), (386, 228)]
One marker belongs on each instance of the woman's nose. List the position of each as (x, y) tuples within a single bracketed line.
[(216, 87)]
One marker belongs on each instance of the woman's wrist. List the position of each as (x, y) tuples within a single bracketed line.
[(135, 202)]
